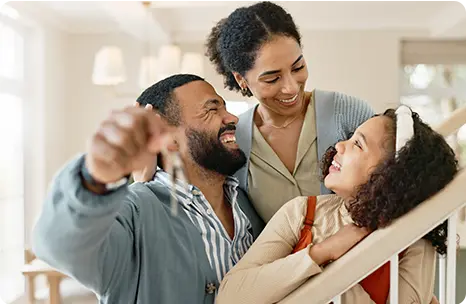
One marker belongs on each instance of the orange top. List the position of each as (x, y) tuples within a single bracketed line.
[(377, 284)]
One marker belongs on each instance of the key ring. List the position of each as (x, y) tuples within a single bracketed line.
[(175, 169)]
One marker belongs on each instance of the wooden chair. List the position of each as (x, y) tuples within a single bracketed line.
[(34, 267)]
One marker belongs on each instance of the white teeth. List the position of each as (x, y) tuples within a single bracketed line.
[(336, 165), (229, 139), (289, 100)]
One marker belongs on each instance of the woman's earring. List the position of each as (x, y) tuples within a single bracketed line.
[(244, 90)]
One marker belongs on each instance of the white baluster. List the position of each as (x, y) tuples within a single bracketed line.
[(451, 259), (337, 300), (442, 262), (394, 279)]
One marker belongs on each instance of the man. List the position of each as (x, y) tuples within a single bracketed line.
[(122, 241)]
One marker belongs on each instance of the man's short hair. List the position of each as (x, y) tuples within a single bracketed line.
[(160, 96)]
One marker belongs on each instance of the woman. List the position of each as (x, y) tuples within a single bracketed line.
[(382, 172), (258, 51)]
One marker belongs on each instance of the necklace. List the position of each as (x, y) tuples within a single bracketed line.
[(286, 124)]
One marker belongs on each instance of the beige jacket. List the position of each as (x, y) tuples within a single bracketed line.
[(268, 271)]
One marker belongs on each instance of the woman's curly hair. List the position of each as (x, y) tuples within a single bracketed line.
[(233, 43), (424, 166)]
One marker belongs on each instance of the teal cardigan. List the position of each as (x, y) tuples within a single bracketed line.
[(126, 246), (337, 116)]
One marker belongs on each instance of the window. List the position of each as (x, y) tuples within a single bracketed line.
[(433, 82), (11, 196), (435, 91), (11, 155)]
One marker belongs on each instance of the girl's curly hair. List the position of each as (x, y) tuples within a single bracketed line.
[(424, 166)]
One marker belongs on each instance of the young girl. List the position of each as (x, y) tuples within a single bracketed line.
[(391, 164)]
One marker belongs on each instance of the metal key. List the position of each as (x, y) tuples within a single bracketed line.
[(175, 169)]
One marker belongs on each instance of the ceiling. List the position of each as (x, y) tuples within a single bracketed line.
[(192, 20)]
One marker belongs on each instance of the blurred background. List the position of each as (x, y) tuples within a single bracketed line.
[(65, 65)]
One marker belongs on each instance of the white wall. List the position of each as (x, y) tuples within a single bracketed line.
[(360, 63), (86, 103)]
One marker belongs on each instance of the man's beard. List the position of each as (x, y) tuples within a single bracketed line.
[(209, 153)]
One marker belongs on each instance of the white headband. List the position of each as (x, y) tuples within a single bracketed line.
[(404, 126)]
